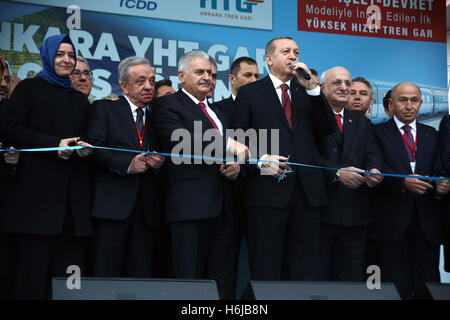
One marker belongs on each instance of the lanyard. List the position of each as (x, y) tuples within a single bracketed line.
[(412, 149), (139, 134)]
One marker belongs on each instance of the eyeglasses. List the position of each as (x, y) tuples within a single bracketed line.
[(78, 74), (339, 83)]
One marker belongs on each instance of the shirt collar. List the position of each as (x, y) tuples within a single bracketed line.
[(400, 124), (133, 106), (341, 113), (277, 82), (233, 97), (196, 101)]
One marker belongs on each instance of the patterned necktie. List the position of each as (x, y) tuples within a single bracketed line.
[(410, 139), (338, 118), (140, 120), (202, 105), (286, 102)]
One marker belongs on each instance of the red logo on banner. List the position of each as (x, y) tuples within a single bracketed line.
[(420, 20)]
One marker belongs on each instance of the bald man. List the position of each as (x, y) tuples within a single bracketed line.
[(345, 219), (407, 211)]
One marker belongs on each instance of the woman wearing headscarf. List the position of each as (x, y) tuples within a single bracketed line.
[(47, 205)]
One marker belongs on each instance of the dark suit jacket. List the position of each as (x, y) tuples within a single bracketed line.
[(444, 150), (258, 107), (359, 148), (444, 143), (193, 191), (227, 107), (40, 115), (111, 124), (393, 205)]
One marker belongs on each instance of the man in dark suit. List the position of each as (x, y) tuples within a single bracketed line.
[(81, 77), (198, 195), (244, 70), (407, 212), (444, 150), (352, 147), (126, 191), (360, 98), (283, 216), (8, 162)]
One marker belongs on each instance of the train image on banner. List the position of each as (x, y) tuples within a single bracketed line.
[(434, 101)]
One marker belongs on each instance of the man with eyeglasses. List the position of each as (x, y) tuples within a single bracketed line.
[(408, 215), (345, 219), (8, 161), (81, 77)]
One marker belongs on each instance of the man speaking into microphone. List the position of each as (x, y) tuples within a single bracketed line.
[(283, 216)]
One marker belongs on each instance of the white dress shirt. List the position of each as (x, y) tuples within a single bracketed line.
[(211, 113), (413, 126), (342, 115), (134, 108), (277, 85)]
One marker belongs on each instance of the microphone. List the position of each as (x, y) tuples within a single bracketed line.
[(300, 71)]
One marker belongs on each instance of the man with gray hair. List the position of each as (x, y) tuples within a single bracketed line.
[(81, 77), (352, 147), (198, 196), (126, 198)]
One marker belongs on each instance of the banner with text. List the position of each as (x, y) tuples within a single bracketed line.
[(255, 14), (421, 20)]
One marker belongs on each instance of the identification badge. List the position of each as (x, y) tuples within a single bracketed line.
[(413, 167)]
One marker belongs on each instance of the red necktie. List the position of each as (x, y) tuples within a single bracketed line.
[(202, 105), (339, 123), (410, 139), (286, 102)]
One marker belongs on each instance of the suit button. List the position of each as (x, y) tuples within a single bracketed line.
[(77, 198), (335, 149)]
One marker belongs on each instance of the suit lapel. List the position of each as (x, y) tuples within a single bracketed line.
[(272, 99), (395, 138), (422, 151), (127, 118), (145, 140), (221, 115), (192, 107), (295, 96), (337, 135), (349, 131)]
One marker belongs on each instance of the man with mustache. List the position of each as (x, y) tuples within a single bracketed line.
[(345, 219), (283, 215), (198, 194)]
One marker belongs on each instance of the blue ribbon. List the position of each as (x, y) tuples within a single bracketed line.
[(251, 160)]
